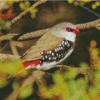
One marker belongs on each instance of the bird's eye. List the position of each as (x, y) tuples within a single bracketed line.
[(67, 29)]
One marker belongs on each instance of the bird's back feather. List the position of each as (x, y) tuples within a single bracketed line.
[(45, 43)]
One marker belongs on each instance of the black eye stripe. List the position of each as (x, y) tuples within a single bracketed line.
[(71, 30)]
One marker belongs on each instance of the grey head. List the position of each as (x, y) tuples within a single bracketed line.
[(65, 30)]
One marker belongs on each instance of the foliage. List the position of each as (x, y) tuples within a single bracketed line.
[(3, 83), (15, 85), (26, 6), (11, 69), (4, 24), (67, 87), (82, 2), (26, 92)]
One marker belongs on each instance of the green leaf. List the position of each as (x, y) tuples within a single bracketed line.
[(26, 92), (84, 66), (58, 78), (2, 24), (71, 74), (10, 67), (77, 96), (3, 83), (8, 25), (27, 3), (81, 84), (33, 11), (97, 75), (72, 86), (15, 85), (93, 91)]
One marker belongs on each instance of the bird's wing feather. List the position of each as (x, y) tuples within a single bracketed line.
[(45, 43)]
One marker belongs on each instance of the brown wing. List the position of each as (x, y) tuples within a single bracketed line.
[(45, 43)]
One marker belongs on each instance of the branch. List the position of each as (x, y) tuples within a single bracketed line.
[(34, 34), (95, 24), (13, 45), (36, 76), (9, 36), (78, 70), (8, 57), (29, 35), (26, 11), (43, 31)]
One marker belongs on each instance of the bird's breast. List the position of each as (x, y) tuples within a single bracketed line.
[(58, 53)]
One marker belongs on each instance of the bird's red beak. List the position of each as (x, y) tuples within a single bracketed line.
[(76, 30)]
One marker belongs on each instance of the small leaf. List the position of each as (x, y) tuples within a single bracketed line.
[(70, 1), (71, 74), (81, 84), (26, 92), (33, 15), (58, 78), (22, 6), (93, 92), (27, 3), (10, 67), (33, 11), (2, 24), (3, 83), (72, 86), (84, 66), (3, 75), (15, 85)]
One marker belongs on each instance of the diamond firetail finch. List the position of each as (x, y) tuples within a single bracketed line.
[(52, 48)]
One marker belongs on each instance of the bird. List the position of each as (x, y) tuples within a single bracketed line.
[(52, 48)]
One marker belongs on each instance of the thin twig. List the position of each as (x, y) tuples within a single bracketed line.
[(26, 11), (79, 70), (88, 25), (9, 36), (13, 45), (29, 35), (34, 34), (8, 57), (12, 96), (43, 31), (13, 48)]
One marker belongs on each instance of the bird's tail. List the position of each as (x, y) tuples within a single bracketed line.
[(31, 64)]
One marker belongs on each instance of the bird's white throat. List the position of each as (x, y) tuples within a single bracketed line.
[(71, 37)]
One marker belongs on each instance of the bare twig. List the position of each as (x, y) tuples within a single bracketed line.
[(26, 11), (29, 35), (13, 45), (12, 96), (34, 34), (13, 48), (79, 70), (43, 31), (95, 24), (8, 57), (7, 37), (17, 43)]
